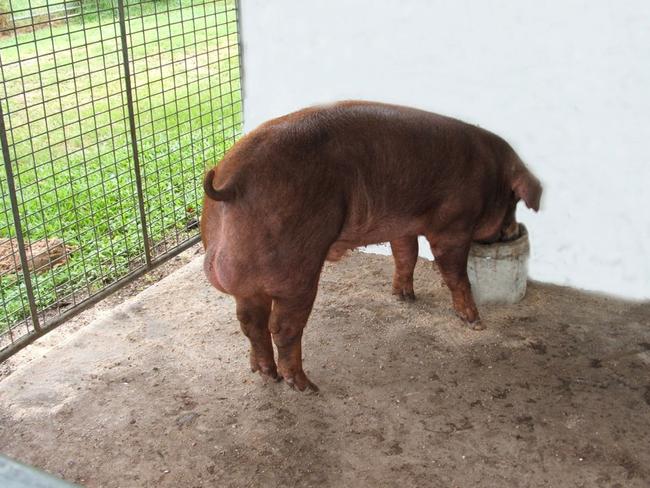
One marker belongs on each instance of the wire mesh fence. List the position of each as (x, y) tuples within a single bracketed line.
[(109, 112)]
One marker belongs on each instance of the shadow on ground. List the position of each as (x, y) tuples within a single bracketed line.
[(556, 392)]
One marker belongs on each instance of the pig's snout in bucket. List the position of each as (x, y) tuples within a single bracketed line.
[(498, 272)]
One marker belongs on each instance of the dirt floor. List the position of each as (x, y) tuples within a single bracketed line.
[(556, 392), (63, 331)]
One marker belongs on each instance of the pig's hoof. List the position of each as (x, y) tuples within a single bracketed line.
[(269, 372), (265, 370), (404, 295), (477, 326), (299, 381)]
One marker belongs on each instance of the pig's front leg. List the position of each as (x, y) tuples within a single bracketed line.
[(288, 319), (405, 254), (451, 257)]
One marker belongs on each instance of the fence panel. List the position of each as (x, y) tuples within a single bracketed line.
[(111, 111)]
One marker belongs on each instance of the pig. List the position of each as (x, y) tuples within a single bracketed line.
[(311, 185)]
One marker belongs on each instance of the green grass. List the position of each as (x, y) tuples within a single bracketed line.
[(26, 8), (67, 122)]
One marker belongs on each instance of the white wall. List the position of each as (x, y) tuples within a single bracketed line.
[(566, 82)]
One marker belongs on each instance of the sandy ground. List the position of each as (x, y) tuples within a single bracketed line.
[(556, 392), (63, 331)]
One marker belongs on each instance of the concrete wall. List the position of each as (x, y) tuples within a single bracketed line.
[(566, 82)]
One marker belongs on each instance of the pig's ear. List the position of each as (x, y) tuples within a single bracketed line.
[(527, 188)]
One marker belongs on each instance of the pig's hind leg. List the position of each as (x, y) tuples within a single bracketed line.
[(405, 254), (288, 319), (253, 314)]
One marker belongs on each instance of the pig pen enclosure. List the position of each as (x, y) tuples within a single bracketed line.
[(110, 111)]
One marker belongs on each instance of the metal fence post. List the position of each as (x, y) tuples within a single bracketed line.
[(17, 224), (134, 138), (240, 53)]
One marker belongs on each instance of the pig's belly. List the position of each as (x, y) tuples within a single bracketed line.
[(373, 233)]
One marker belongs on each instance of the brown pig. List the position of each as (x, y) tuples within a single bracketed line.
[(311, 185)]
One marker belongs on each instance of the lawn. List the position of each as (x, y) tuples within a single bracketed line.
[(66, 114)]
